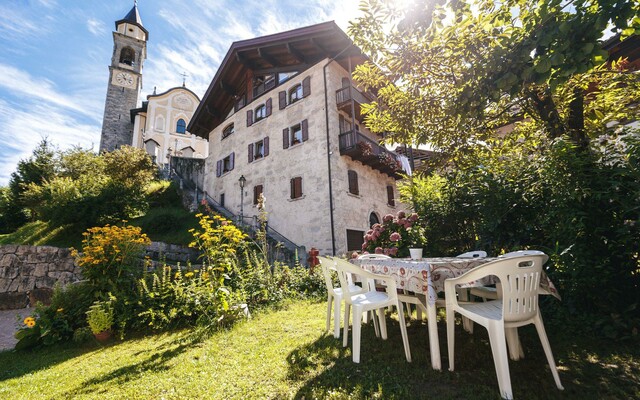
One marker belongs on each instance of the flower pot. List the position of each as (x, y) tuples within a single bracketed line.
[(416, 254), (103, 336)]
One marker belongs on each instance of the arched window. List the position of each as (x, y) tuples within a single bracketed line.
[(295, 93), (228, 130), (127, 56), (373, 219), (181, 126)]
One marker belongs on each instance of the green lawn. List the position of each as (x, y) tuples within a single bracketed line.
[(286, 354)]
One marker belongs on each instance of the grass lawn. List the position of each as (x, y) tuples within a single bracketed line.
[(286, 354)]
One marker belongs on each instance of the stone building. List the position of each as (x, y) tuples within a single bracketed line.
[(159, 124), (283, 115)]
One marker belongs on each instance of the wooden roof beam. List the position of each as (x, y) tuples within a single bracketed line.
[(296, 54), (242, 60), (267, 57), (288, 68), (227, 88)]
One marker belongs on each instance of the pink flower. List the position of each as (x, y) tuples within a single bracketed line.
[(413, 217), (376, 226), (368, 237), (354, 254), (369, 232), (378, 250), (386, 252), (364, 245), (401, 214), (395, 236), (407, 224), (387, 218), (393, 251)]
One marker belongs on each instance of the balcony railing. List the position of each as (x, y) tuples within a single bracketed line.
[(360, 148), (343, 100)]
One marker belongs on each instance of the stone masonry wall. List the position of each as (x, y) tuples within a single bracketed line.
[(28, 274)]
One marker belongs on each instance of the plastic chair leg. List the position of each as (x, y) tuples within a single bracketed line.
[(513, 344), (500, 359), (356, 325), (337, 302), (451, 325), (403, 332), (329, 304), (547, 349), (376, 324), (345, 334), (383, 323)]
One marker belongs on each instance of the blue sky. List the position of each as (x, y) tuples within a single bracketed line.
[(54, 63)]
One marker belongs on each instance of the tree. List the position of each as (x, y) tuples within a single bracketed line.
[(449, 73), (38, 168)]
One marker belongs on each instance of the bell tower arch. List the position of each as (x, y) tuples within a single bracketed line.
[(125, 80)]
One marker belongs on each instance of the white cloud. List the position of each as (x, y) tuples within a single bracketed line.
[(21, 84), (24, 127), (96, 27)]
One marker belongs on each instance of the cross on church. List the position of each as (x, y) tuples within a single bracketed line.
[(184, 78)]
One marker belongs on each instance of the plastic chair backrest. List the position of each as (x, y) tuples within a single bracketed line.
[(327, 266), (520, 279), (473, 254), (346, 271), (373, 257), (519, 253)]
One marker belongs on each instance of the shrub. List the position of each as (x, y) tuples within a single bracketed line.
[(100, 316), (395, 235), (110, 258)]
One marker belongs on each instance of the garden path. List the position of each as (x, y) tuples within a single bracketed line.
[(8, 326)]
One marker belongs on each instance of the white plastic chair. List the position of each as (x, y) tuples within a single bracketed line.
[(368, 301), (335, 294), (492, 293), (473, 254), (520, 277)]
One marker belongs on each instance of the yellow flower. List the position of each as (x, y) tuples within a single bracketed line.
[(60, 309), (30, 322)]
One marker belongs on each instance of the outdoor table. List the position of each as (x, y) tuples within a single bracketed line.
[(426, 276)]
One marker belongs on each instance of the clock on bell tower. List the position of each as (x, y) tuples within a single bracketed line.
[(125, 80)]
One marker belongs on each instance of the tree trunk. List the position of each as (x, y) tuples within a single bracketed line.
[(576, 119)]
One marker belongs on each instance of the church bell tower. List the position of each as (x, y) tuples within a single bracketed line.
[(125, 80)]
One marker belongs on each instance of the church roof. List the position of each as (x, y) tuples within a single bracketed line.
[(133, 17), (172, 89), (294, 50)]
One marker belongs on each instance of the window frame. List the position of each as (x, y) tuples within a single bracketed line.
[(352, 182), (297, 191), (257, 191), (183, 126), (225, 133), (294, 90), (260, 116)]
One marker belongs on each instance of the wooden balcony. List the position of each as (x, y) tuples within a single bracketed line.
[(360, 148), (343, 101)]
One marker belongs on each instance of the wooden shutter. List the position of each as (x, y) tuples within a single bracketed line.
[(353, 182), (257, 190), (268, 107), (219, 168), (355, 239), (296, 187), (390, 198), (304, 126), (232, 157), (265, 147), (306, 86), (251, 152), (249, 117), (285, 138), (282, 100)]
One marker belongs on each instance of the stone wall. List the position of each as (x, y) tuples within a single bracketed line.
[(28, 274)]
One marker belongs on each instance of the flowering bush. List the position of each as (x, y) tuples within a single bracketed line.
[(219, 241), (395, 235), (111, 256)]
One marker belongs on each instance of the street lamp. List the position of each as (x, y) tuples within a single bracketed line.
[(242, 181)]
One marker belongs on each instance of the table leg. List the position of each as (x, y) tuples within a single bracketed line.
[(434, 343)]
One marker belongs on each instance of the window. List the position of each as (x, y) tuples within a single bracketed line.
[(258, 149), (181, 126), (127, 56), (390, 197), (355, 239), (353, 182), (285, 76), (296, 187), (225, 165), (159, 123), (222, 199), (373, 219), (228, 130), (261, 112), (295, 135), (263, 83), (295, 93), (257, 191)]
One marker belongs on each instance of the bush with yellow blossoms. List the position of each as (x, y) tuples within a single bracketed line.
[(111, 256)]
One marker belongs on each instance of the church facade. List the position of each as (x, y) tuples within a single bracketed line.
[(159, 124)]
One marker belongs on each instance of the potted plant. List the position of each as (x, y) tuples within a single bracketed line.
[(100, 319)]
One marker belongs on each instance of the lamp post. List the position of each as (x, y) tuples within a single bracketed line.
[(242, 181)]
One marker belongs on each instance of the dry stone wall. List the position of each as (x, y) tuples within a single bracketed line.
[(28, 274)]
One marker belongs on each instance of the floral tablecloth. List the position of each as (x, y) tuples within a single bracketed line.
[(426, 276)]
